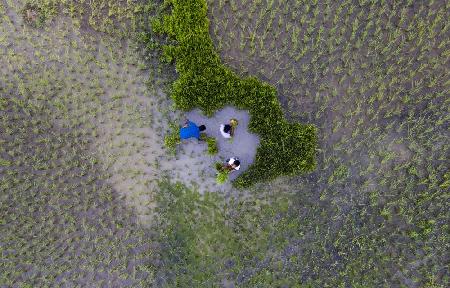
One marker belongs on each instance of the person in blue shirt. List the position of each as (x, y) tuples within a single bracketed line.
[(190, 129)]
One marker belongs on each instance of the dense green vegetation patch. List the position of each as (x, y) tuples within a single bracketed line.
[(173, 139), (212, 145), (205, 242), (286, 148)]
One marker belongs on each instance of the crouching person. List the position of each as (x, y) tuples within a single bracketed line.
[(232, 164), (227, 130), (191, 130)]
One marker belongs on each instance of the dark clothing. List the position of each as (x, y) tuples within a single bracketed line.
[(227, 128)]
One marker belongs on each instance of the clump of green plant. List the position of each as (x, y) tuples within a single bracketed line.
[(285, 148), (35, 14), (107, 16), (212, 145), (446, 183), (222, 177), (4, 162), (172, 139), (339, 174), (218, 166)]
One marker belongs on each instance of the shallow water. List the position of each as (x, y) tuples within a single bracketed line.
[(243, 145)]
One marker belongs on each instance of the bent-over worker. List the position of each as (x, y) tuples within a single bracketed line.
[(232, 164), (191, 130), (227, 130)]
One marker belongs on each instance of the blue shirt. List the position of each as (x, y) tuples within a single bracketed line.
[(191, 131)]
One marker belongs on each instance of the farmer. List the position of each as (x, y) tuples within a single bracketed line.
[(227, 130), (190, 129), (232, 164)]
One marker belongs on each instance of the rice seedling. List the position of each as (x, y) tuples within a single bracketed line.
[(370, 75)]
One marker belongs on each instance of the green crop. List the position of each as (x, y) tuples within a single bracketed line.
[(207, 239), (4, 162), (81, 131), (285, 148), (34, 15), (218, 166), (107, 16), (172, 139), (222, 177), (46, 193), (212, 145)]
